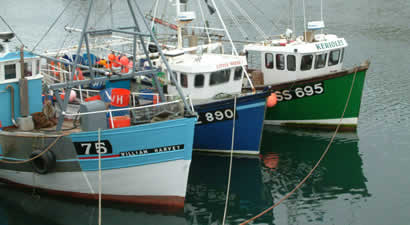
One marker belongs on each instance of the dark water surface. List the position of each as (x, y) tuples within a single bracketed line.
[(362, 181)]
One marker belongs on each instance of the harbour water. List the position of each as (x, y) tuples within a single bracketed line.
[(362, 181)]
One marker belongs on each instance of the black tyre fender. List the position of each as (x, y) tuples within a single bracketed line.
[(43, 164)]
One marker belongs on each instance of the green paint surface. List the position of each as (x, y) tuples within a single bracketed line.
[(328, 105)]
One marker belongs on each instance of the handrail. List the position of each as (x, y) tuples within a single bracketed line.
[(116, 110)]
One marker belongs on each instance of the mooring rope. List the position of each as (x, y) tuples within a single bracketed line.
[(230, 162), (317, 164), (99, 176), (35, 157)]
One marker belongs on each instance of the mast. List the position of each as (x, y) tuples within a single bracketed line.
[(178, 11)]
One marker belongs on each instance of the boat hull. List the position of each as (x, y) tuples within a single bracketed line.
[(319, 102), (213, 131), (145, 164)]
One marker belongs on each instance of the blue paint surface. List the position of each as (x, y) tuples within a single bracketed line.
[(147, 136), (248, 126), (126, 84), (35, 100), (16, 56)]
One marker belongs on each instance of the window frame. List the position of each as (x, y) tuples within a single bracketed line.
[(334, 62), (294, 62), (235, 76), (15, 71), (272, 61), (203, 80), (280, 56), (183, 80), (310, 65), (217, 81), (316, 66)]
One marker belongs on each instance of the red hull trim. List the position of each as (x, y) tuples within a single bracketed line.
[(158, 203)]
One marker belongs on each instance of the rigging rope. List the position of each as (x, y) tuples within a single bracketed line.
[(230, 161), (259, 10), (235, 20), (52, 25), (203, 18), (155, 14), (263, 34), (11, 29), (316, 165)]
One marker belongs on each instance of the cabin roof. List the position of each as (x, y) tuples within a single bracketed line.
[(16, 56), (300, 47), (205, 63)]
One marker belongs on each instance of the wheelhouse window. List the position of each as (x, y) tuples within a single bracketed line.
[(219, 77), (10, 72), (306, 63), (28, 69), (238, 73), (199, 80), (280, 61), (184, 80), (320, 61), (291, 62), (341, 57), (334, 57), (269, 60)]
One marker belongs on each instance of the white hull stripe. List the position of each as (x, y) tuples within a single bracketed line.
[(345, 121), (244, 152), (162, 179)]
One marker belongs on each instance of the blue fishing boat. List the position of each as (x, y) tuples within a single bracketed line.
[(214, 133), (114, 158)]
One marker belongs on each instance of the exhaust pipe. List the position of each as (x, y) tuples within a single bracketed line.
[(12, 104)]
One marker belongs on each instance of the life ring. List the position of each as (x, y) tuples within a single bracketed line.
[(43, 164)]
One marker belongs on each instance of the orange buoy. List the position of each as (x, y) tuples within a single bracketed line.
[(272, 100), (55, 69), (111, 57), (102, 62), (116, 63), (155, 99), (79, 73), (124, 61)]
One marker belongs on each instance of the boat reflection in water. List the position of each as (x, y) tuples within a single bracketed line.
[(332, 193), (207, 182), (338, 184), (18, 207)]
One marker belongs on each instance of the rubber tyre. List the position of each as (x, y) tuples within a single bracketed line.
[(43, 164)]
